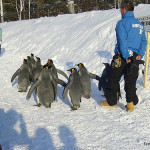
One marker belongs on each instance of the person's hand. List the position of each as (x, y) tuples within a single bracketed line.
[(138, 57), (128, 60)]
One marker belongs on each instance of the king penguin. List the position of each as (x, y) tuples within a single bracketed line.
[(56, 70), (45, 88), (32, 60), (37, 69), (85, 76), (74, 88), (55, 80), (23, 74), (30, 66)]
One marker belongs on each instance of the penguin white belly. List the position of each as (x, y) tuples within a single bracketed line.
[(68, 95)]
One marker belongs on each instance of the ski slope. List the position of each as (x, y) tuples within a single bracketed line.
[(87, 38)]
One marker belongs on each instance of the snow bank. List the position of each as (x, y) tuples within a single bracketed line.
[(68, 39)]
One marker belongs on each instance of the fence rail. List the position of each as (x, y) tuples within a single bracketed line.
[(145, 20)]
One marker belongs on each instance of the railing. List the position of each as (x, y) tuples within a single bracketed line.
[(144, 20)]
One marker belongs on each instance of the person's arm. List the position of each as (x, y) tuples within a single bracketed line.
[(122, 39)]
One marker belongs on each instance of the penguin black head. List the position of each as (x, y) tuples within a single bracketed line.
[(80, 65), (45, 66), (50, 61), (50, 67), (28, 57), (106, 64), (72, 70), (25, 61), (32, 55), (38, 59)]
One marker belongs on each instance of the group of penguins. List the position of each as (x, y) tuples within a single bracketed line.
[(45, 80)]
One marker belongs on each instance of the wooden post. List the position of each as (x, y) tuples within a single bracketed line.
[(29, 9), (1, 6), (147, 59)]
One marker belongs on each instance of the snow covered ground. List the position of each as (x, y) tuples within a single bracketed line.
[(68, 39)]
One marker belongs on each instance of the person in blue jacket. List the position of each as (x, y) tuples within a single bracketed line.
[(129, 50)]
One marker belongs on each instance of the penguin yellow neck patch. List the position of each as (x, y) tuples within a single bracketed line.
[(72, 69), (49, 60), (80, 65)]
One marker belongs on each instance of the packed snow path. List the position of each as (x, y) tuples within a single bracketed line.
[(68, 39)]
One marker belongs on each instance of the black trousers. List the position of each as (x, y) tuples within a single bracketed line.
[(130, 77)]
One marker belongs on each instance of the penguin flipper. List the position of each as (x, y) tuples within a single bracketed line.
[(61, 82), (67, 88), (33, 87), (94, 76), (100, 86), (15, 75), (61, 72)]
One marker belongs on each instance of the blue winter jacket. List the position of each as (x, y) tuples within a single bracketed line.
[(130, 35)]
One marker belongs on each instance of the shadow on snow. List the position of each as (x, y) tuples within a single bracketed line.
[(10, 137)]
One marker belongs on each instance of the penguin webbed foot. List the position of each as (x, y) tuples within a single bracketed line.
[(87, 97), (48, 106), (20, 90), (75, 107), (38, 105)]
